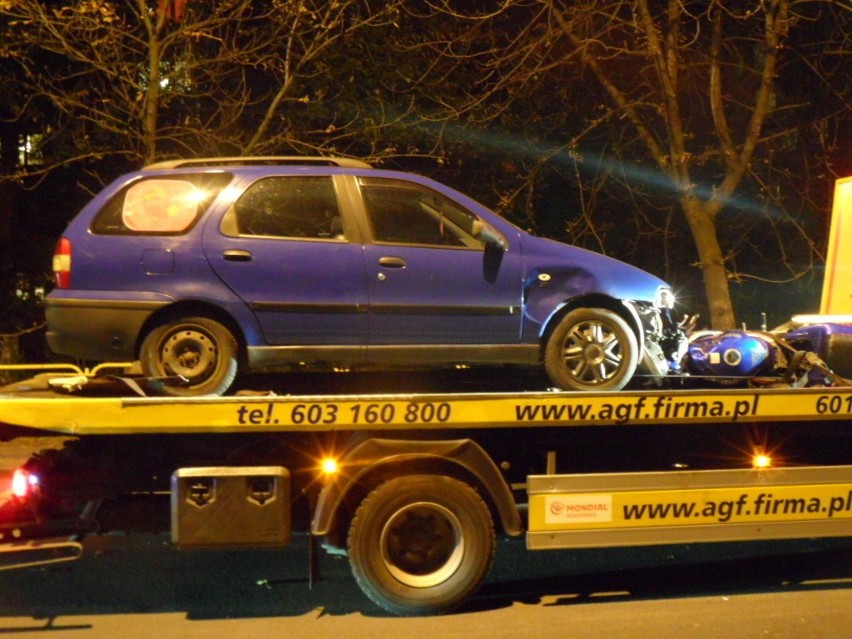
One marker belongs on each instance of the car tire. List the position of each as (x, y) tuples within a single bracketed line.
[(591, 349), (196, 348), (421, 544)]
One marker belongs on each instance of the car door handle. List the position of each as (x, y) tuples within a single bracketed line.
[(237, 255), (392, 262)]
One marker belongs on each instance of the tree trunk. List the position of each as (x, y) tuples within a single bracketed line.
[(9, 354), (8, 164), (702, 223)]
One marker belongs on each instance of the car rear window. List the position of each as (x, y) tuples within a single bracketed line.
[(162, 205)]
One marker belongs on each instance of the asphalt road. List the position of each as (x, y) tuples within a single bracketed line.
[(139, 586)]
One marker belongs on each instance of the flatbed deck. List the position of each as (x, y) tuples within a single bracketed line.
[(77, 415)]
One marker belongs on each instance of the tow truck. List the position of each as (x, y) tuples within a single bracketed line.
[(415, 487)]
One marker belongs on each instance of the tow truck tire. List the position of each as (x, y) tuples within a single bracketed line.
[(198, 348), (421, 544), (591, 349)]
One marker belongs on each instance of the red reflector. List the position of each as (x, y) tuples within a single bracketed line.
[(62, 264)]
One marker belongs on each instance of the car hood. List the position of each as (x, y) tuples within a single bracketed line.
[(575, 268)]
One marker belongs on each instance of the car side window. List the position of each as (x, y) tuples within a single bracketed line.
[(292, 207), (408, 213), (159, 205)]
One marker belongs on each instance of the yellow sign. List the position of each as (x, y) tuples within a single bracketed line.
[(837, 285), (698, 507)]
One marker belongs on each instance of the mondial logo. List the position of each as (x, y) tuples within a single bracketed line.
[(592, 508)]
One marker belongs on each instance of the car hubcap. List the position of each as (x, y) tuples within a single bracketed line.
[(422, 545), (190, 353), (592, 353)]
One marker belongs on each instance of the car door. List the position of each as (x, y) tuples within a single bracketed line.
[(283, 247), (431, 279)]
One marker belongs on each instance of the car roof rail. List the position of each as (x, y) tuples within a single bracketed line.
[(270, 160)]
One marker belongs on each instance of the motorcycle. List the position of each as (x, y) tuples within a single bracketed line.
[(812, 355)]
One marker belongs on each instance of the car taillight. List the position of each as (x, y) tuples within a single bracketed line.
[(62, 264), (24, 483)]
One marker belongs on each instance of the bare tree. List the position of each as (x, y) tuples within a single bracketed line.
[(693, 82), (149, 79)]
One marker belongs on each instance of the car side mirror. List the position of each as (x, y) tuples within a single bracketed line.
[(489, 235)]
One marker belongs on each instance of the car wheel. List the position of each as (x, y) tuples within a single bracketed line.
[(591, 349), (197, 348), (421, 544)]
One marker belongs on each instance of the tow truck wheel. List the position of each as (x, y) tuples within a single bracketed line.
[(197, 348), (591, 349), (421, 544)]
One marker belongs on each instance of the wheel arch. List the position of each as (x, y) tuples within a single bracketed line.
[(193, 308), (377, 460), (621, 308)]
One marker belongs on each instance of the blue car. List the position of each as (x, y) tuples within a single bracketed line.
[(204, 268)]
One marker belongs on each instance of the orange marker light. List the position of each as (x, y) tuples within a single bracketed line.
[(761, 460)]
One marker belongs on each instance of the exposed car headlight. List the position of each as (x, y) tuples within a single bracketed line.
[(665, 298)]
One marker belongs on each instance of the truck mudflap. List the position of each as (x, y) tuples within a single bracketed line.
[(632, 509)]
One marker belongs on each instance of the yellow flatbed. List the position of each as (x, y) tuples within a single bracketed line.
[(74, 415)]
